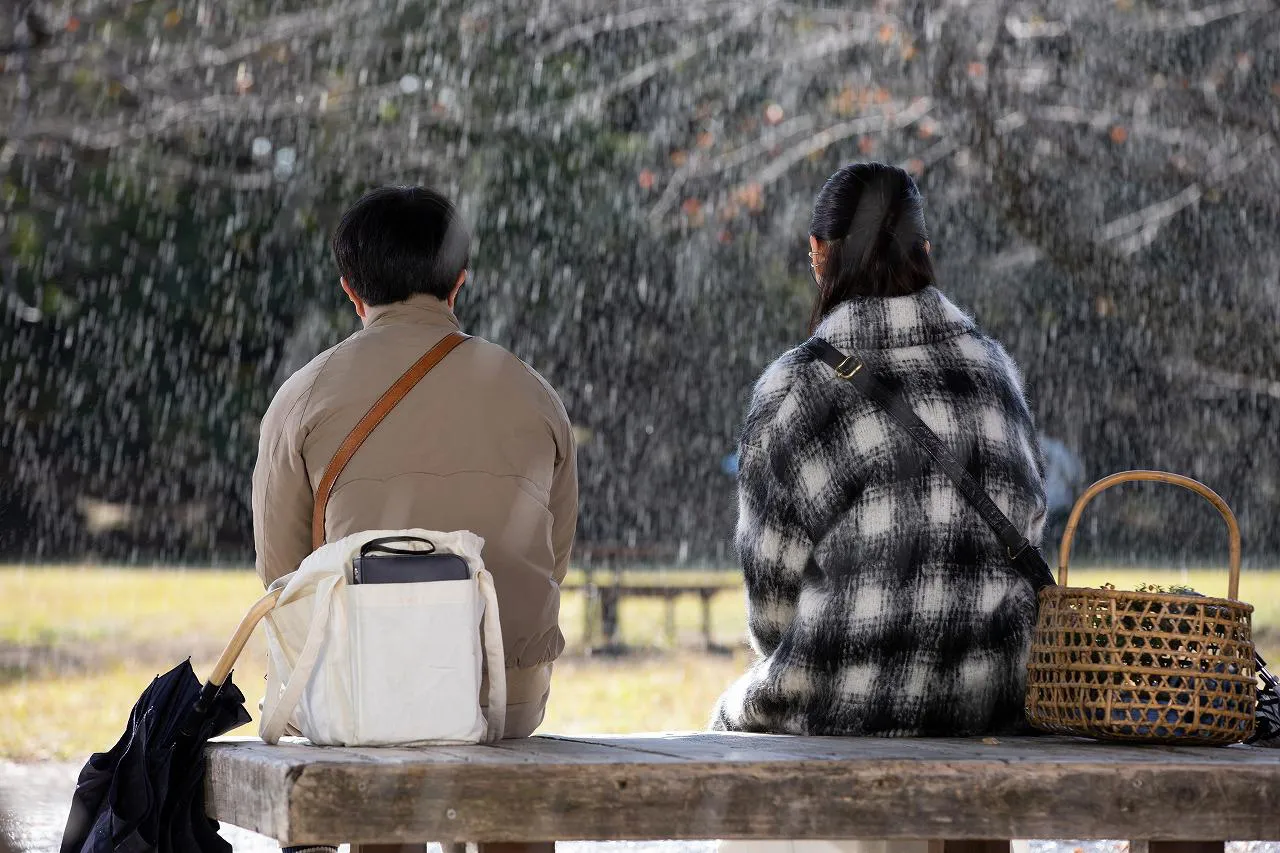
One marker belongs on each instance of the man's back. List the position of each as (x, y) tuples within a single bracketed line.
[(482, 443)]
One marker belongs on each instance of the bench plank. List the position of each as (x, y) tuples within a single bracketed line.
[(749, 747), (746, 786)]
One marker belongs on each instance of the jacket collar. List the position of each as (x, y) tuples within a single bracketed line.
[(421, 308), (901, 321)]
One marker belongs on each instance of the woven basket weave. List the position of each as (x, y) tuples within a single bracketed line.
[(1143, 667)]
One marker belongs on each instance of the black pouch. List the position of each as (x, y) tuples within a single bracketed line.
[(381, 562)]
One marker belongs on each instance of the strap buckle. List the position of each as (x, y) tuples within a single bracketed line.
[(843, 371)]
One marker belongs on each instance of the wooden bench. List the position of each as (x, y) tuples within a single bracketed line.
[(702, 786)]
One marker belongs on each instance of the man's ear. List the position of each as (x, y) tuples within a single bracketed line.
[(457, 287), (361, 308)]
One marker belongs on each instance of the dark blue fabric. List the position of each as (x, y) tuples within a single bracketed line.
[(147, 792), (1267, 732)]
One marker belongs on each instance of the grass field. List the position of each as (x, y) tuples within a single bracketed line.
[(77, 645)]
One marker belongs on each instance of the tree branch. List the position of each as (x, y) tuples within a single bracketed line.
[(1228, 380), (593, 101), (1139, 229), (1195, 18), (891, 120), (698, 167), (617, 22)]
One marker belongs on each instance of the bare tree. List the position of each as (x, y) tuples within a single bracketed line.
[(1102, 177)]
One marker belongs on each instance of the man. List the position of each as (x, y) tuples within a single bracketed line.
[(482, 443)]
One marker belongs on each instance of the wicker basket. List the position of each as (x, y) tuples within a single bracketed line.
[(1143, 667)]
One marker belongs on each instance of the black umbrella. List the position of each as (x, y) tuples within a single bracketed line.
[(1267, 731), (147, 792)]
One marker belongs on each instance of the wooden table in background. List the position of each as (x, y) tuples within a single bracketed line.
[(610, 574), (603, 599), (701, 786)]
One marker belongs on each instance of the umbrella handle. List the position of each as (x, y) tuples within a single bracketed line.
[(256, 614), (195, 717)]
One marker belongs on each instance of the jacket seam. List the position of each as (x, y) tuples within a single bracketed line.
[(533, 483), (549, 396), (319, 373), (304, 400), (275, 443)]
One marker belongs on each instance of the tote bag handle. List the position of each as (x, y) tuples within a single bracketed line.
[(273, 727), (495, 660)]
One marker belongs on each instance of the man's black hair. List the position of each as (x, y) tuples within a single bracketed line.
[(396, 242)]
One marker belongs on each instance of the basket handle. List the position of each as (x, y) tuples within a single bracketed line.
[(1233, 527)]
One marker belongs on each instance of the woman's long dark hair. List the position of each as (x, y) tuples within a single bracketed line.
[(871, 218)]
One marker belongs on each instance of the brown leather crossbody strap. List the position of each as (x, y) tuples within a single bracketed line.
[(371, 419)]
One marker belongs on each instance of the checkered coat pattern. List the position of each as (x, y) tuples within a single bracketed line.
[(878, 600)]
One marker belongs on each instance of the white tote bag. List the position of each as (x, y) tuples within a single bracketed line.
[(397, 664)]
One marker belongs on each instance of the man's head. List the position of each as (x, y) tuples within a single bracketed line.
[(397, 242)]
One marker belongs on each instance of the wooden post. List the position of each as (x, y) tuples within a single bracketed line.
[(590, 602), (609, 596)]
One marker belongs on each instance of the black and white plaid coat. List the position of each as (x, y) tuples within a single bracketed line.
[(879, 601)]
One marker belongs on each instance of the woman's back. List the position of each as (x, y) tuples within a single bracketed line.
[(880, 601)]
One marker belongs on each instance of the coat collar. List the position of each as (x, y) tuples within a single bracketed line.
[(421, 308), (901, 321)]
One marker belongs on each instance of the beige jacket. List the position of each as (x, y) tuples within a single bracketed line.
[(482, 444)]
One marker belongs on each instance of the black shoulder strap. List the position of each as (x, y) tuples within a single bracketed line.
[(1022, 554)]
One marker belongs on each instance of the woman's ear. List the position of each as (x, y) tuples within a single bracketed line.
[(817, 255)]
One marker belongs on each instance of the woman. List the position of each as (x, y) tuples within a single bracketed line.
[(879, 601)]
